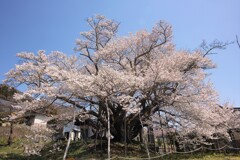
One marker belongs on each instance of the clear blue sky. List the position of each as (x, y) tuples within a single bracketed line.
[(29, 25)]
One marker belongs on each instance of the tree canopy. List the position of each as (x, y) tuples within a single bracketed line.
[(136, 76)]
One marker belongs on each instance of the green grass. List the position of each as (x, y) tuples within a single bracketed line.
[(80, 150), (205, 156), (16, 147)]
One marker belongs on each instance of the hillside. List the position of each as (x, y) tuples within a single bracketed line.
[(6, 100), (7, 92), (82, 150)]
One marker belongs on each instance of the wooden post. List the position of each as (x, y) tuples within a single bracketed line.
[(108, 131), (96, 136), (125, 136), (144, 139), (10, 134), (164, 145), (218, 146), (11, 130), (69, 137), (101, 136)]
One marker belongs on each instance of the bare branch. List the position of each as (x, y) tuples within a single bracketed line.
[(237, 41), (208, 48)]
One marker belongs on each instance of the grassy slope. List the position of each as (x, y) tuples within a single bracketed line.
[(79, 151)]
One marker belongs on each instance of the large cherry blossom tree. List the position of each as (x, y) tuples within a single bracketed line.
[(135, 76)]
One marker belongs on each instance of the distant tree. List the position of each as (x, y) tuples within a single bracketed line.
[(134, 77), (6, 91)]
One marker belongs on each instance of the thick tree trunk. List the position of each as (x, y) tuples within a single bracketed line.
[(117, 121), (128, 132)]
